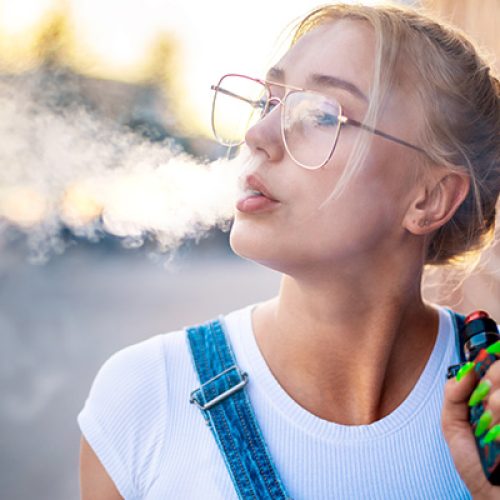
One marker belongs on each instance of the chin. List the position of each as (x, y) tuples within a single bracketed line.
[(263, 251), (244, 243)]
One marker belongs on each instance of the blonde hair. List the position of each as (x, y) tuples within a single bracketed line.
[(461, 99)]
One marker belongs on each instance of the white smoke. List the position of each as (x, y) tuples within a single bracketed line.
[(67, 167)]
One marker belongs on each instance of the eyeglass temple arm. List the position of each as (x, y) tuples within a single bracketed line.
[(350, 121), (255, 104)]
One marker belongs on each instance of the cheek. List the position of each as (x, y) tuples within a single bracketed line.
[(363, 218), (311, 227), (274, 239), (292, 234)]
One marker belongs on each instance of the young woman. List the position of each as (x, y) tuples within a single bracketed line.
[(375, 152)]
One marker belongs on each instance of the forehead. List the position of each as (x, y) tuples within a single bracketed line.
[(342, 48)]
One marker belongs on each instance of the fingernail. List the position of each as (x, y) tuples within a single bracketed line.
[(493, 433), (464, 370), (483, 423), (494, 348), (480, 392)]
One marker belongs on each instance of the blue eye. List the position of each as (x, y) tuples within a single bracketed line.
[(327, 120), (262, 105)]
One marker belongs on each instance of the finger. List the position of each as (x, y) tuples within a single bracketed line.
[(493, 373), (490, 427), (456, 397), (493, 405), (458, 433), (491, 401), (490, 419)]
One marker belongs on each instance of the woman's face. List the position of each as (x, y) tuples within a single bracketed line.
[(301, 231)]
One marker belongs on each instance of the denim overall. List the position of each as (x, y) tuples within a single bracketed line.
[(227, 410)]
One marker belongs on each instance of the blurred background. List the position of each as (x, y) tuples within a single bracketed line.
[(126, 75)]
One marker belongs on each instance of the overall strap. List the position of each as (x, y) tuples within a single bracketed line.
[(458, 324), (224, 403)]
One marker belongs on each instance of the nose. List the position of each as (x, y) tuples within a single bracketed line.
[(265, 135)]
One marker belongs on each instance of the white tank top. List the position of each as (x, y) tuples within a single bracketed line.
[(155, 445)]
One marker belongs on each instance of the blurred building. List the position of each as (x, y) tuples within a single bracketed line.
[(141, 107), (144, 106)]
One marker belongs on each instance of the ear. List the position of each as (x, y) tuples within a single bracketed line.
[(437, 200)]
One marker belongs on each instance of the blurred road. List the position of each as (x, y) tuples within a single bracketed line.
[(61, 320)]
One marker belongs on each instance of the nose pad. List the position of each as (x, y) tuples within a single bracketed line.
[(265, 135)]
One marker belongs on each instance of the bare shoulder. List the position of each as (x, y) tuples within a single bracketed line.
[(95, 483)]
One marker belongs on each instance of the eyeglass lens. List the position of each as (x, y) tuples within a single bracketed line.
[(310, 127), (309, 120), (238, 105)]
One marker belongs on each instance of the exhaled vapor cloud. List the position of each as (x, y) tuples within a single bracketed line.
[(62, 166)]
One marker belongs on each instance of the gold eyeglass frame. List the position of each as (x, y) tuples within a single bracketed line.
[(342, 119)]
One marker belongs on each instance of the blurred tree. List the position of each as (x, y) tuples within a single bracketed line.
[(162, 69), (162, 64), (52, 45)]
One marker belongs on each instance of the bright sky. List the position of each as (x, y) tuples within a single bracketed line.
[(216, 37)]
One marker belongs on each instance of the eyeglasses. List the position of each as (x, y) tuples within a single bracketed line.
[(310, 121)]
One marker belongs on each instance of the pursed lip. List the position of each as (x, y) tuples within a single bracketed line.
[(254, 183)]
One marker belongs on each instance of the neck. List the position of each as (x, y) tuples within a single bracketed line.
[(348, 350)]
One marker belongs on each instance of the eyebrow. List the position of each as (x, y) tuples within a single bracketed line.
[(333, 81), (278, 74)]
